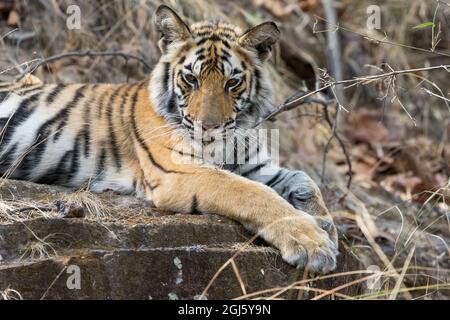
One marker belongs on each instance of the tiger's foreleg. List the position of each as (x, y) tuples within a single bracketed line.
[(202, 189)]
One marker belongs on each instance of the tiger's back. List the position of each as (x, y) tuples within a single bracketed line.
[(67, 134)]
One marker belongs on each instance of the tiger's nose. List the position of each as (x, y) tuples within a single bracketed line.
[(209, 126)]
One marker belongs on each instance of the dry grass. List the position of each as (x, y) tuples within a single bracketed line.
[(23, 210), (38, 250), (94, 207), (10, 294)]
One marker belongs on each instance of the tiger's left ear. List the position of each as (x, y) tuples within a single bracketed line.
[(261, 38), (171, 26)]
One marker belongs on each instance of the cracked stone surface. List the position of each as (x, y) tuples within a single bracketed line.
[(126, 249)]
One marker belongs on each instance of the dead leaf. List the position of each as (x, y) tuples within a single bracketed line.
[(365, 127)]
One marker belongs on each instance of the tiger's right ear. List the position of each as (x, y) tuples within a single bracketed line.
[(171, 26)]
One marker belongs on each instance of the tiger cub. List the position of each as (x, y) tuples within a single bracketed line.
[(129, 137)]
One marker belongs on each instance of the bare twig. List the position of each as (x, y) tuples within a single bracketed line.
[(330, 83), (383, 41), (362, 80), (334, 133), (435, 95), (53, 282), (123, 55), (291, 104)]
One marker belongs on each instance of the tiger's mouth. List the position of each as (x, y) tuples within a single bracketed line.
[(200, 136), (206, 137), (206, 133)]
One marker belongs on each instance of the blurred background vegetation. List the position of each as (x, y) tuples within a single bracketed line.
[(395, 131)]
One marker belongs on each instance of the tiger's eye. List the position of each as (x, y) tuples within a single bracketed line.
[(191, 79), (232, 83)]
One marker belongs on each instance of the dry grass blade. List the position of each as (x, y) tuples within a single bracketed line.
[(399, 282), (346, 285), (238, 276), (10, 294)]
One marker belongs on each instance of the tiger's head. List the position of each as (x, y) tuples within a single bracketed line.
[(211, 74)]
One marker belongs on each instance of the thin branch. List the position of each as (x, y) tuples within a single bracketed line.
[(435, 95), (123, 55), (291, 104), (333, 124), (327, 145), (384, 41), (306, 98)]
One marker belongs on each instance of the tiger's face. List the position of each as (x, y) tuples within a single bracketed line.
[(211, 75)]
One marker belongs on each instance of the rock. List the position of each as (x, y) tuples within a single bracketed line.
[(133, 251)]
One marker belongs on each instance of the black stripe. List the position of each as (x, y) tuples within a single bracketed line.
[(101, 101), (86, 131), (238, 94), (123, 104), (194, 206), (172, 109), (226, 44), (101, 163), (124, 97), (52, 95), (63, 116), (181, 153), (182, 59), (254, 169), (46, 129), (75, 163), (166, 77), (113, 141), (136, 133), (188, 120), (273, 181), (58, 174), (250, 86), (257, 80), (247, 149), (172, 106), (200, 51), (20, 115), (8, 159), (202, 41)]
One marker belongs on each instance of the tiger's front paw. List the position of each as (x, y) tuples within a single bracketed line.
[(303, 243), (304, 194)]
